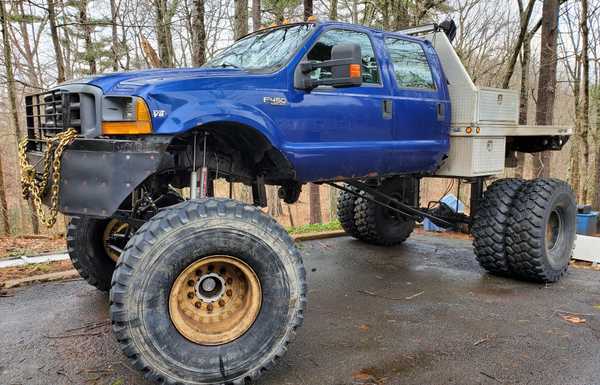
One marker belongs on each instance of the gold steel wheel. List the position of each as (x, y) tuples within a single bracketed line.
[(215, 300), (115, 237)]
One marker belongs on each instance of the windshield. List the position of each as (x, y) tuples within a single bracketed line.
[(263, 51)]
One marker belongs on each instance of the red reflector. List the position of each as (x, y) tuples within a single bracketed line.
[(355, 71)]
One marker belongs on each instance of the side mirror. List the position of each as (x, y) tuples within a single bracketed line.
[(345, 64)]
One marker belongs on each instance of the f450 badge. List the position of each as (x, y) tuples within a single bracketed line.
[(275, 100)]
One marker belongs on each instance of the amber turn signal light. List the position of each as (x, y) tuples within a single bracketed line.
[(141, 125), (355, 71)]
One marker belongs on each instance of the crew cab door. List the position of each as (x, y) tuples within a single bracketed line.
[(339, 132), (421, 105)]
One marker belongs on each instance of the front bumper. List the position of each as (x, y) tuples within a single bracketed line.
[(97, 175)]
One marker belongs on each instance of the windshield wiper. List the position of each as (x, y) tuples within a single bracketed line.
[(226, 64)]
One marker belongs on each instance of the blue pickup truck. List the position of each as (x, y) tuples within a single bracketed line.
[(207, 290)]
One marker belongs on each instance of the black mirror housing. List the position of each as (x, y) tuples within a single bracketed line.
[(345, 64)]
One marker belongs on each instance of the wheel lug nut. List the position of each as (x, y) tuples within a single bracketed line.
[(229, 281), (198, 305), (222, 271), (210, 267), (229, 292), (198, 272), (209, 307), (190, 295), (191, 282), (221, 303)]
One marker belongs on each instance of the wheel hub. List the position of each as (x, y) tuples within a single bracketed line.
[(215, 300), (210, 287)]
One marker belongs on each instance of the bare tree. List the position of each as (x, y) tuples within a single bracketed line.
[(115, 48), (523, 50), (525, 16), (12, 98), (314, 203), (241, 18), (585, 101), (256, 15), (90, 54), (333, 10), (163, 33), (308, 9), (198, 34), (547, 79), (58, 55)]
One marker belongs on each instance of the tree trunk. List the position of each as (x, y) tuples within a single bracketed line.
[(32, 72), (241, 19), (315, 204), (14, 116), (256, 15), (3, 203), (163, 34), (198, 34), (115, 36), (333, 10), (90, 55), (401, 16), (547, 79), (596, 198), (524, 98), (12, 97), (585, 104), (274, 203), (60, 62), (525, 16), (308, 9)]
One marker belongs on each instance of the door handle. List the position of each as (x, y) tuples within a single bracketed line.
[(387, 109), (441, 112)]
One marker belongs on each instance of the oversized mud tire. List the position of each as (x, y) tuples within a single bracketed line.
[(87, 251), (490, 225), (541, 230), (345, 212), (378, 225), (160, 295)]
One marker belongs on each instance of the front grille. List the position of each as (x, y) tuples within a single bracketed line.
[(49, 113)]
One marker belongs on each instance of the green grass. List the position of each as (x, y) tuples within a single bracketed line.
[(315, 228)]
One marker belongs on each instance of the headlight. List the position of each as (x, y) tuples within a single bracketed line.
[(125, 115)]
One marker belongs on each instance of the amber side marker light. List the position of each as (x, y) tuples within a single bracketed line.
[(355, 71), (141, 125)]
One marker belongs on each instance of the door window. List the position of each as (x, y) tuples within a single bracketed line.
[(411, 67), (321, 51)]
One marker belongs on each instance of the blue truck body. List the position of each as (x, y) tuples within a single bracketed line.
[(268, 128), (329, 133)]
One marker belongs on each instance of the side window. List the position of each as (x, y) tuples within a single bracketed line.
[(322, 51), (410, 64)]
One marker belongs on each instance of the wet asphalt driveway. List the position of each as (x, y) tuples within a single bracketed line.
[(420, 313)]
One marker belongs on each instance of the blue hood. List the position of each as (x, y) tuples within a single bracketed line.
[(132, 80)]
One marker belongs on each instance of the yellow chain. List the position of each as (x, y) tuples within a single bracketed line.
[(34, 188)]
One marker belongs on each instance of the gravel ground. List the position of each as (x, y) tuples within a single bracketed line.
[(420, 313)]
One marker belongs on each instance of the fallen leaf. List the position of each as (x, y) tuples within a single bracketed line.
[(364, 327), (364, 375), (573, 319)]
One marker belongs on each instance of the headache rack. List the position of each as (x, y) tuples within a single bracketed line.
[(49, 113)]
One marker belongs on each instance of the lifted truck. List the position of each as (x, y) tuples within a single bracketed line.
[(209, 290)]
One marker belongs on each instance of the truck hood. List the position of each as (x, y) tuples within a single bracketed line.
[(132, 80)]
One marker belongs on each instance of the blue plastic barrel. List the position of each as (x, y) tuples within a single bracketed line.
[(587, 224)]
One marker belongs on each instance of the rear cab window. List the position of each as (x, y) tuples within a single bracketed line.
[(321, 51), (411, 67)]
